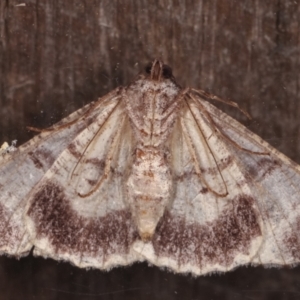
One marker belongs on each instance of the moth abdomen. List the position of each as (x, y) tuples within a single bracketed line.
[(149, 189)]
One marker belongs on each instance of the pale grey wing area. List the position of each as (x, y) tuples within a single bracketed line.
[(275, 185), (203, 231), (22, 170), (77, 211)]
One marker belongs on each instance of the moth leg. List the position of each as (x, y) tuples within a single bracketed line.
[(51, 128), (174, 104), (93, 105), (197, 169), (220, 132), (90, 142), (169, 115), (216, 98), (107, 168)]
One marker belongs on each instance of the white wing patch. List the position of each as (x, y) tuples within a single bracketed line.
[(151, 172)]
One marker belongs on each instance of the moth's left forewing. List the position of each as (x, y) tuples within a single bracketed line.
[(21, 171), (204, 231), (77, 212)]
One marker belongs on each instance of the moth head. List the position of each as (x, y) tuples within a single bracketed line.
[(157, 70)]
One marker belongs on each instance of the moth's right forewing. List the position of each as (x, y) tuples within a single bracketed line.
[(203, 232), (274, 180)]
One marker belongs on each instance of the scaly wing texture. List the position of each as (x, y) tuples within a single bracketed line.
[(258, 222), (205, 230), (275, 184), (23, 169), (77, 211), (235, 198)]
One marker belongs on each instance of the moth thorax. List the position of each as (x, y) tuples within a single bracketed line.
[(149, 189)]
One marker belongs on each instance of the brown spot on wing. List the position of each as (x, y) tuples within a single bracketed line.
[(268, 166), (72, 149), (204, 190), (222, 165), (42, 158), (263, 167), (99, 163), (35, 160), (226, 162), (216, 242), (92, 182), (69, 232)]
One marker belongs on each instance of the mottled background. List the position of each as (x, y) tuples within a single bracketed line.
[(56, 56)]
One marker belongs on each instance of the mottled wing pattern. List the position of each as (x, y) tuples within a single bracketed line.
[(235, 199), (203, 231), (274, 181), (22, 170), (77, 211), (257, 223)]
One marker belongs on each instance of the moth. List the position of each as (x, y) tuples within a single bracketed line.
[(151, 172)]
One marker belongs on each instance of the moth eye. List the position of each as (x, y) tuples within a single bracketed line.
[(148, 68), (167, 71)]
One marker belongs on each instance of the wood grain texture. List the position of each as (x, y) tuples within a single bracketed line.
[(56, 56)]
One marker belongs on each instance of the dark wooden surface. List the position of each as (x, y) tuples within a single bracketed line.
[(55, 56)]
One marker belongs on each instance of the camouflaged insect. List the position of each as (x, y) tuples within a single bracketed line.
[(151, 172)]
